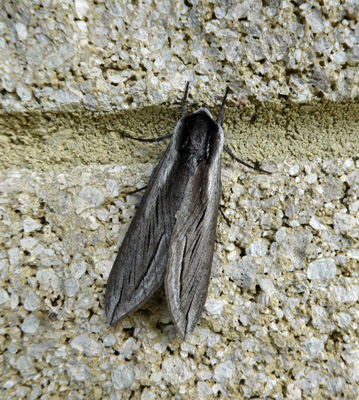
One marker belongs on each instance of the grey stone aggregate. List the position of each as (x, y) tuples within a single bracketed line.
[(117, 54), (283, 297)]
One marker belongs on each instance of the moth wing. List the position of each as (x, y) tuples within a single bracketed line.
[(191, 248), (140, 265)]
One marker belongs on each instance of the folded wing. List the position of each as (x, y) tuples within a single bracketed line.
[(191, 248), (140, 266)]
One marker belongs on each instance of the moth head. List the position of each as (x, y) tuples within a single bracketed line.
[(198, 129)]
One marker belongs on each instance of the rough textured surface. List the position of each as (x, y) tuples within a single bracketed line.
[(281, 319), (256, 132), (96, 56)]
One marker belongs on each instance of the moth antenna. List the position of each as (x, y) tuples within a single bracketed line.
[(221, 111), (184, 100)]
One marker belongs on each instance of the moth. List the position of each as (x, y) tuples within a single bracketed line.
[(171, 237)]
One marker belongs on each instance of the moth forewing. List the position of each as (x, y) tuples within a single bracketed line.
[(192, 242), (140, 265)]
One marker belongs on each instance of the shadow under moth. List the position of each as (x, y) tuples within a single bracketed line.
[(171, 237)]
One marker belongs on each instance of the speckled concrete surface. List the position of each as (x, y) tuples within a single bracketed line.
[(281, 318), (78, 54)]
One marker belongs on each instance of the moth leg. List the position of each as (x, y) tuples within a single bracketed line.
[(138, 190), (226, 149), (223, 215)]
